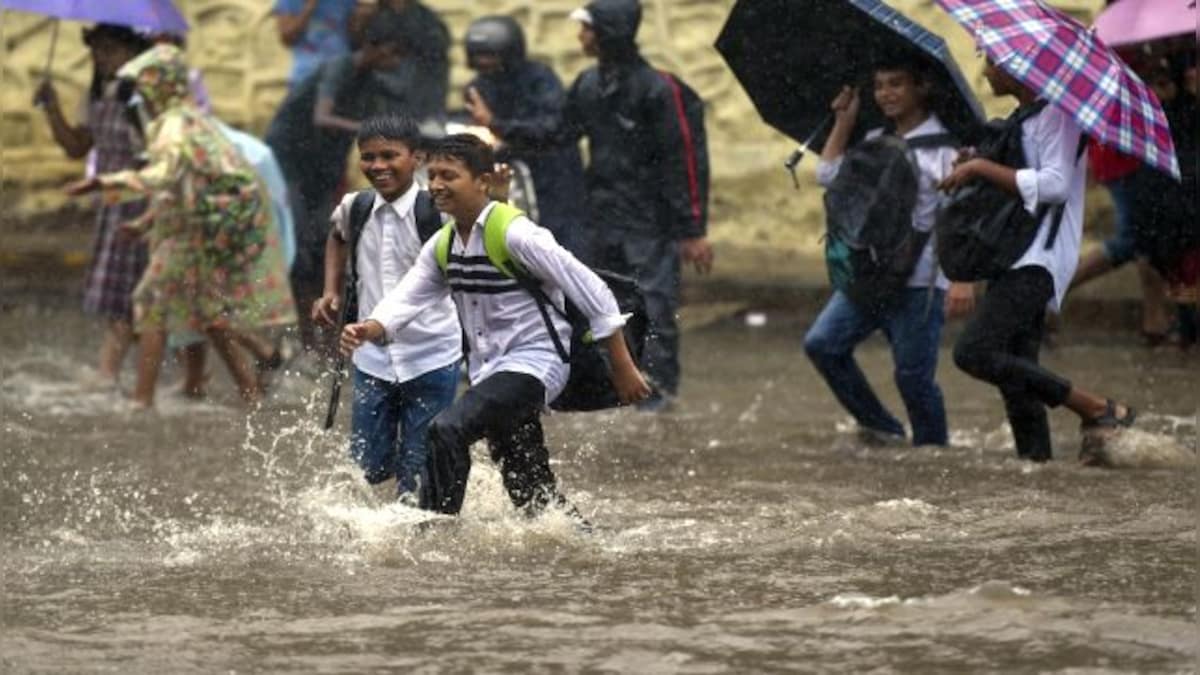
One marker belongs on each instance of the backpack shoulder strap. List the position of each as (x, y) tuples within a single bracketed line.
[(495, 244), (441, 249), (495, 239), (938, 140), (360, 211), (429, 220), (1059, 209)]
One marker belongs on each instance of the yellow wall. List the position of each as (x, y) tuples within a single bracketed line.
[(235, 44)]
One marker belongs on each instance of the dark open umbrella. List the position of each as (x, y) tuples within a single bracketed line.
[(792, 57)]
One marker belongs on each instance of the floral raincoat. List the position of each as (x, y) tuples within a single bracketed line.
[(215, 257)]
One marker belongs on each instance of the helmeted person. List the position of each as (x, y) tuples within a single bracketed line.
[(521, 102), (641, 217)]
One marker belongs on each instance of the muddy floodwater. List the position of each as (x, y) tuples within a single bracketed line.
[(747, 531)]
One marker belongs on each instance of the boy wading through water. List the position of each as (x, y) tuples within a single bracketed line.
[(398, 387), (1000, 343), (913, 322), (515, 369)]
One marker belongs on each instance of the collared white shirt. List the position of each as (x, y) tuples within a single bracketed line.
[(934, 164), (387, 249), (504, 328), (1055, 176)]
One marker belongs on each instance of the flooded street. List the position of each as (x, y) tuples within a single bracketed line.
[(746, 531)]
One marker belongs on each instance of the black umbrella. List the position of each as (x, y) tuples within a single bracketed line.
[(793, 56)]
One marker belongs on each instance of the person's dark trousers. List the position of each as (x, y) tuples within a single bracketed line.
[(1000, 345), (913, 328), (654, 263), (505, 408), (312, 204)]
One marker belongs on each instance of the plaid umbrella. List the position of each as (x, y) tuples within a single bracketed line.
[(1066, 64)]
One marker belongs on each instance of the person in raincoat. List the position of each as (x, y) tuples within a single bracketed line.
[(641, 218), (521, 102), (215, 264)]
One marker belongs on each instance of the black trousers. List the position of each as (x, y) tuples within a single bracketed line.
[(1000, 345), (505, 409)]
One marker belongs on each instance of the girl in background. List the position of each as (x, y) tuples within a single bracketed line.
[(117, 263)]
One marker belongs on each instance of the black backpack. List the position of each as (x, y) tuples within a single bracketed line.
[(689, 109), (429, 223), (871, 247), (982, 229)]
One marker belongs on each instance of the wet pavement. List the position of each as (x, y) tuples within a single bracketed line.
[(748, 530)]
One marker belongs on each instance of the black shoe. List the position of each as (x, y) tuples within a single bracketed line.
[(1109, 419)]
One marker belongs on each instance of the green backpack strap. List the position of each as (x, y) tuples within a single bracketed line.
[(495, 239), (441, 249)]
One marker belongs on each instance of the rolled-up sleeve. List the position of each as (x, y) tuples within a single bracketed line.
[(421, 287), (827, 170), (1055, 141), (536, 249)]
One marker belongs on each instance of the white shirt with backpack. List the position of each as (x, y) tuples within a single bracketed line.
[(934, 164), (387, 249), (1056, 175), (504, 328)]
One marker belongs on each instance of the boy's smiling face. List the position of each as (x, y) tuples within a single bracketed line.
[(452, 186), (388, 165), (899, 95)]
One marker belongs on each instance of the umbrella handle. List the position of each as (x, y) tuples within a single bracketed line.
[(50, 56), (49, 60), (793, 159)]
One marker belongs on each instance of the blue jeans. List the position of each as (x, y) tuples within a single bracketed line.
[(389, 422), (913, 328)]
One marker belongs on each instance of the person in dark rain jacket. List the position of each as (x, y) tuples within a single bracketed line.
[(641, 219), (521, 102)]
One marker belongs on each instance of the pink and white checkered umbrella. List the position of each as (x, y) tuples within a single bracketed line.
[(1066, 64)]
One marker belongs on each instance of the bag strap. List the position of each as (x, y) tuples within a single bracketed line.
[(495, 246), (1060, 209), (690, 161), (360, 211), (428, 218), (938, 140)]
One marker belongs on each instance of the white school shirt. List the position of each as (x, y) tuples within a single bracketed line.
[(934, 164), (1050, 140), (505, 330), (387, 249)]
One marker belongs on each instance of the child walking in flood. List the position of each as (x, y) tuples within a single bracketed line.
[(117, 263), (515, 367), (399, 387), (1000, 343), (211, 269)]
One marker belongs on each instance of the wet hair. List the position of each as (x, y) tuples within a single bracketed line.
[(391, 127), (466, 148), (915, 68), (122, 36), (387, 26)]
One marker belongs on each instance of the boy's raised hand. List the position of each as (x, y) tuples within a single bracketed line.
[(480, 111), (846, 104), (500, 182), (355, 334)]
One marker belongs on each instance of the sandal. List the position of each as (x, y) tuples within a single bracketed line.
[(1109, 419)]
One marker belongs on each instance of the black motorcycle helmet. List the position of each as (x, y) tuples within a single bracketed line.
[(500, 36)]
